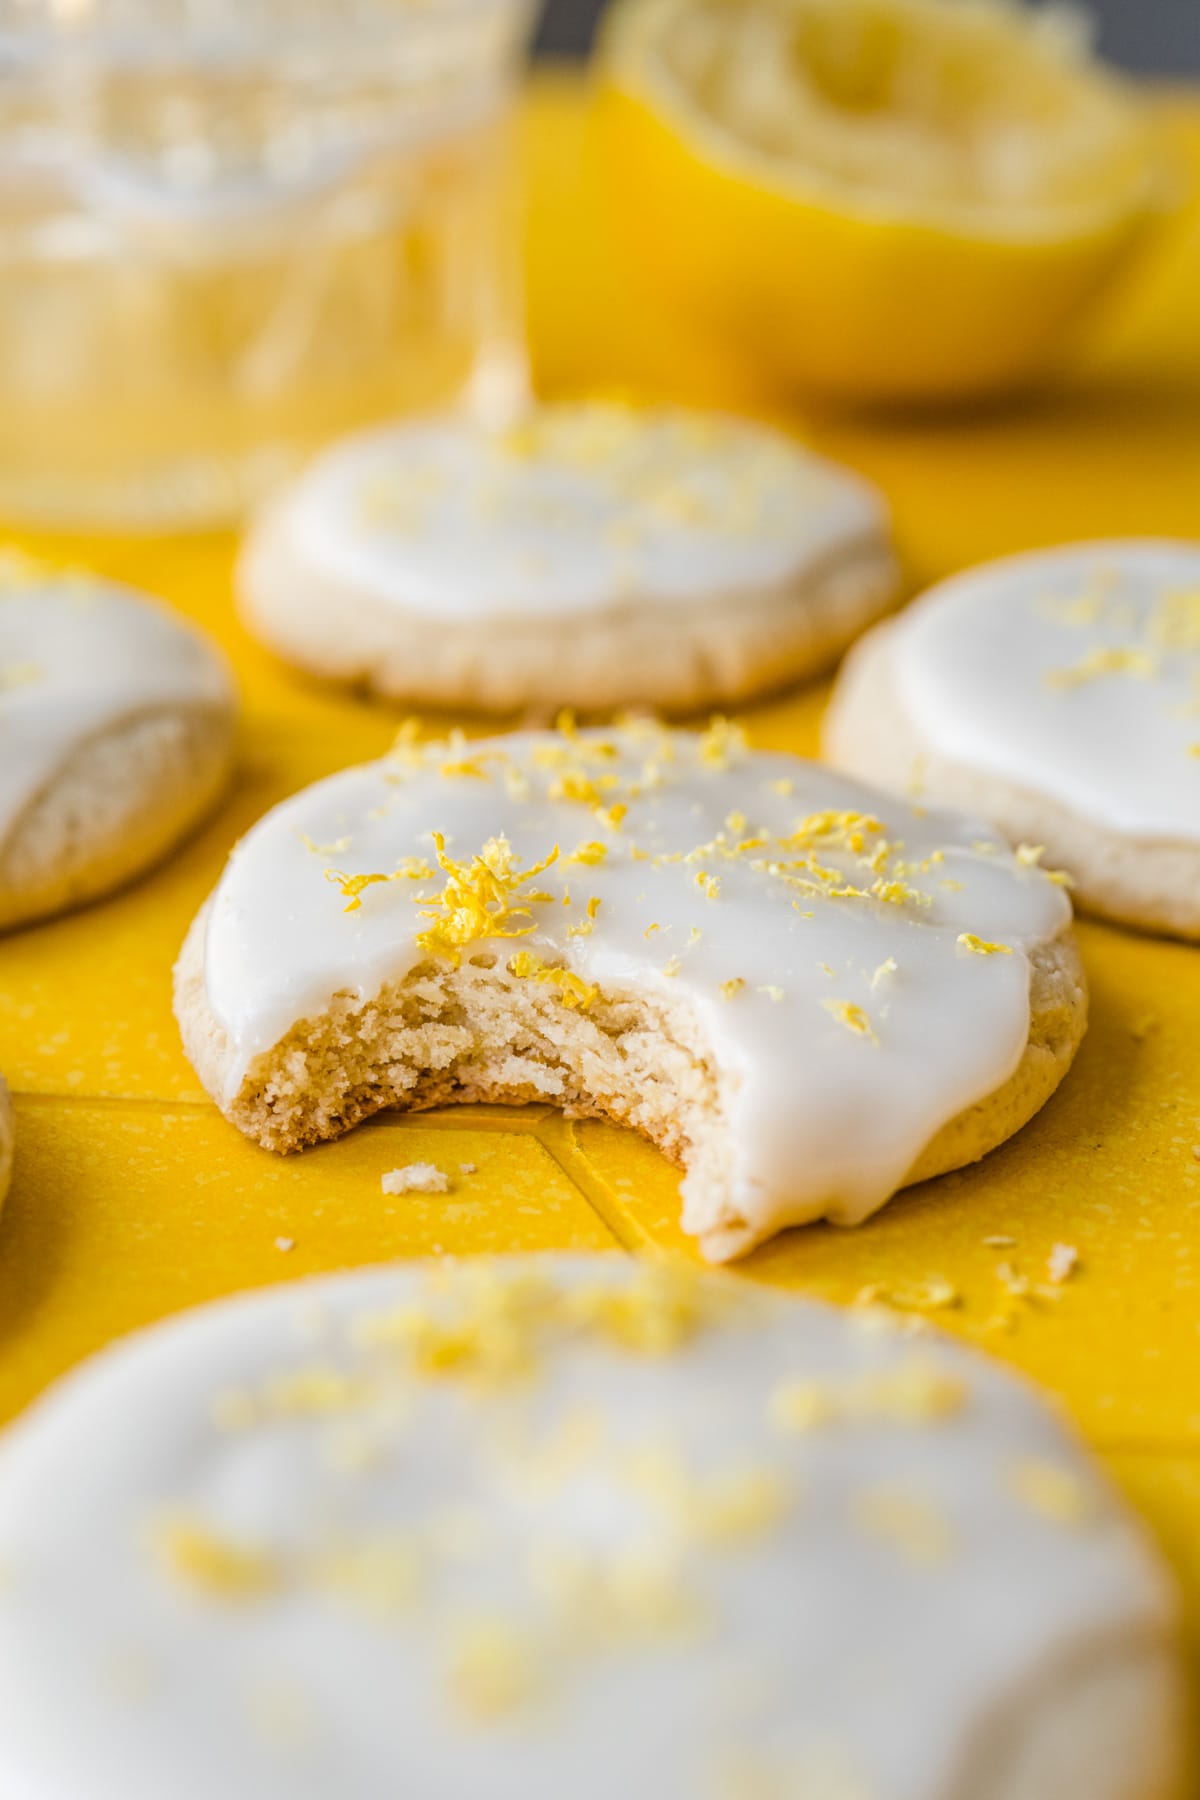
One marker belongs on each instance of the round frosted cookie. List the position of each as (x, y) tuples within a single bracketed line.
[(807, 993), (6, 1139), (1057, 694), (116, 736), (594, 556), (557, 1526)]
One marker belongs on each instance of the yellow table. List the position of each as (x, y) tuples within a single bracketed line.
[(132, 1198)]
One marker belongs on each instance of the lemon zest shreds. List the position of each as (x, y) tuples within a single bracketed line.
[(589, 854), (709, 885), (721, 742), (732, 988), (853, 1017), (585, 926), (1053, 1491), (834, 830), (981, 946), (476, 901), (672, 967), (1175, 623), (916, 1392), (215, 1565), (887, 967), (337, 848), (1105, 660), (573, 990)]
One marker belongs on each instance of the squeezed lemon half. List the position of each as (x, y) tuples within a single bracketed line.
[(880, 199)]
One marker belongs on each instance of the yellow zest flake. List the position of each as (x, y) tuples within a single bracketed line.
[(312, 1392), (1194, 749), (410, 868), (980, 946), (1030, 857), (721, 742), (215, 1565), (834, 830), (585, 926), (672, 966), (1175, 623), (650, 930), (785, 786), (573, 991), (1104, 661), (338, 847), (590, 854), (491, 1671), (19, 675), (853, 1017), (916, 1392), (905, 1520), (736, 822), (772, 992), (732, 988), (731, 1507), (656, 1313), (476, 900), (1051, 1490), (886, 968), (709, 885)]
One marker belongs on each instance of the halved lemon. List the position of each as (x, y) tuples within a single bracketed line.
[(879, 199)]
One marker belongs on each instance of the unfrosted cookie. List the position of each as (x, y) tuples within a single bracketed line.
[(806, 992), (6, 1139), (568, 1527), (1057, 694), (595, 556), (116, 736)]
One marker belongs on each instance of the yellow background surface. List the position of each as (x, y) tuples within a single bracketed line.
[(132, 1198)]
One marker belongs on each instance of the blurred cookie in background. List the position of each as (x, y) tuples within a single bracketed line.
[(116, 736), (593, 556)]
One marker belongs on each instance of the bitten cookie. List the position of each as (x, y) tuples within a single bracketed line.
[(1057, 694), (557, 1526), (116, 736), (807, 993), (6, 1139), (594, 556)]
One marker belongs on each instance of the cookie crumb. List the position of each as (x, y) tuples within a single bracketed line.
[(1062, 1262), (416, 1178)]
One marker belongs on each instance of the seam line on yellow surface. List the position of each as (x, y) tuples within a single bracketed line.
[(557, 1138)]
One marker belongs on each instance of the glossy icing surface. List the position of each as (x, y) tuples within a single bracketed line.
[(523, 1528), (859, 968), (581, 508), (1072, 672), (77, 656)]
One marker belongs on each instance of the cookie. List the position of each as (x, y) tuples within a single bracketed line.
[(595, 556), (805, 992), (1057, 694), (6, 1139), (568, 1526), (116, 737)]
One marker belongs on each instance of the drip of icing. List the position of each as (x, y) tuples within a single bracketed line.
[(579, 508), (77, 656), (847, 1028), (328, 1572), (1074, 673)]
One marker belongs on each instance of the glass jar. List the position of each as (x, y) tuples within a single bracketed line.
[(230, 229)]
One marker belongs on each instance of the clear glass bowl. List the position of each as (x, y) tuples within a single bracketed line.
[(230, 229)]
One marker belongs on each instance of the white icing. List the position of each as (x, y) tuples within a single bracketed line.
[(980, 665), (581, 508), (812, 1643), (824, 1121), (77, 656)]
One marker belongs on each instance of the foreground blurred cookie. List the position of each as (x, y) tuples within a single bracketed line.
[(807, 993), (1057, 694), (116, 736), (595, 556), (567, 1527)]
